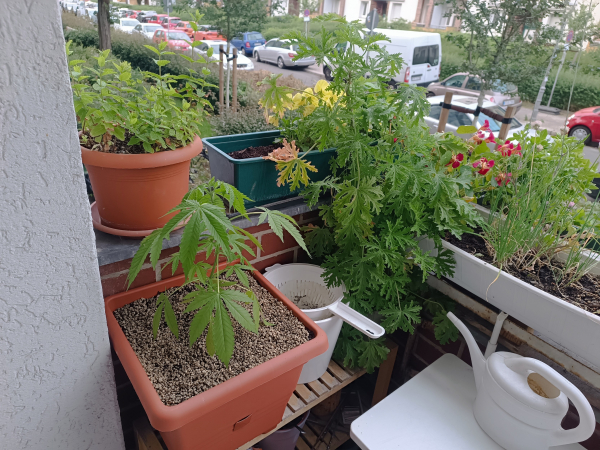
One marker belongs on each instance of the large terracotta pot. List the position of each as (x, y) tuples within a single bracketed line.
[(232, 413), (134, 192)]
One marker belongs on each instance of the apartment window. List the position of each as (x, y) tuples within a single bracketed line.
[(364, 8), (395, 11), (424, 11)]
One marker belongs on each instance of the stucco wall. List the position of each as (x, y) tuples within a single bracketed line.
[(56, 379)]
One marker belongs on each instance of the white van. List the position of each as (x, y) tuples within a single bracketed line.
[(421, 52)]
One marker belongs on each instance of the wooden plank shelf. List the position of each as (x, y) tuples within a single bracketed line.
[(305, 397)]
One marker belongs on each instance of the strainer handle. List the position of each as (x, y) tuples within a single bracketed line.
[(357, 320)]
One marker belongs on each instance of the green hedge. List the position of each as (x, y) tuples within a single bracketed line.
[(130, 48)]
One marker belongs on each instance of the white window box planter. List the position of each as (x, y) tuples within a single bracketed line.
[(566, 324)]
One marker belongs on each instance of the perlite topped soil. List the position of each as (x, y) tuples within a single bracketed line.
[(179, 372)]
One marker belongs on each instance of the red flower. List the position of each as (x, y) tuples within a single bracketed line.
[(480, 137), (508, 149), (484, 165), (456, 160), (503, 178), (485, 126), (395, 140)]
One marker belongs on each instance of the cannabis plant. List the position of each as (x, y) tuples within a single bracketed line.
[(209, 232), (392, 183)]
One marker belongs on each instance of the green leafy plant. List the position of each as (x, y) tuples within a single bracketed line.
[(159, 112), (390, 184), (209, 232)]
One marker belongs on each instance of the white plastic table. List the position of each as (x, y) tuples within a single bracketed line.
[(432, 411)]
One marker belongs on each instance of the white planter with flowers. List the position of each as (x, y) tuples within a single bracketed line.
[(564, 323)]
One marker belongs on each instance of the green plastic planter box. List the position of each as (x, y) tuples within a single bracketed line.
[(257, 177)]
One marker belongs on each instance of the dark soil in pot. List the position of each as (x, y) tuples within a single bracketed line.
[(254, 152), (117, 146), (584, 293), (178, 371)]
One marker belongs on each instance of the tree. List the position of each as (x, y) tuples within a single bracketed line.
[(104, 24), (504, 39)]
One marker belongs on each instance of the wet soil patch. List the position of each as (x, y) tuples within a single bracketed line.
[(120, 147), (254, 152), (584, 293), (178, 371)]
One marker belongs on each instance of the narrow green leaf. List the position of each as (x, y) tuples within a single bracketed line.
[(200, 299), (154, 49), (189, 242), (239, 313), (170, 318), (140, 256), (119, 133), (199, 323), (210, 341), (222, 334), (156, 319)]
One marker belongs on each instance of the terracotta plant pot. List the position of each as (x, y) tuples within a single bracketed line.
[(134, 192), (232, 413)]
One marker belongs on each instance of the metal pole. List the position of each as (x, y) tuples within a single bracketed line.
[(562, 61), (538, 100), (221, 103), (234, 81)]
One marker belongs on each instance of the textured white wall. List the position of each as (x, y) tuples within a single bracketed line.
[(57, 387)]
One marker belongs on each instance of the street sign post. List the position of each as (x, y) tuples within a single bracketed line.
[(306, 20), (372, 19)]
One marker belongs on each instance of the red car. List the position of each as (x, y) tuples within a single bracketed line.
[(176, 40), (170, 22), (207, 33), (132, 14), (185, 27), (585, 125)]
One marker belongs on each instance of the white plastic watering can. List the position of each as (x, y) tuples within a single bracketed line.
[(303, 284), (521, 401)]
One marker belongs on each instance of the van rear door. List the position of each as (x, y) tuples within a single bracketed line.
[(425, 64)]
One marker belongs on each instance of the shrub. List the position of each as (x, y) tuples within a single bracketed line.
[(281, 25), (247, 120)]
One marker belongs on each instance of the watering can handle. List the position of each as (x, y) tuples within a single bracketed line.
[(357, 320), (587, 420)]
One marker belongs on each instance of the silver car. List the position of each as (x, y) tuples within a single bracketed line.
[(281, 52)]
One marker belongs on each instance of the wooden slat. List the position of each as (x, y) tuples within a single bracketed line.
[(302, 445), (444, 114), (309, 436), (328, 380), (288, 412), (338, 439), (144, 435), (337, 371), (305, 394), (295, 404), (317, 387), (384, 376)]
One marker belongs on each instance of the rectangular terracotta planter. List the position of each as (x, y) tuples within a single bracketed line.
[(564, 323), (232, 413)]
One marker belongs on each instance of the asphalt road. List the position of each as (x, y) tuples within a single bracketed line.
[(309, 76)]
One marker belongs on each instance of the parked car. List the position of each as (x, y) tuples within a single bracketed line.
[(243, 62), (126, 25), (147, 29), (144, 16), (92, 14), (421, 52), (207, 33), (246, 42), (457, 119), (585, 125), (155, 18), (170, 22), (176, 40), (185, 27), (132, 14), (281, 52), (503, 94)]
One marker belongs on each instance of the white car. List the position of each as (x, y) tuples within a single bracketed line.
[(126, 25), (457, 119), (243, 62), (147, 29)]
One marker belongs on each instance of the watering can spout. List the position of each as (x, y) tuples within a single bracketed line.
[(477, 358)]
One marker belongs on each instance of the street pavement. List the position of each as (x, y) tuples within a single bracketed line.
[(309, 75)]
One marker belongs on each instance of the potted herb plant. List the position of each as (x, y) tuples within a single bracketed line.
[(246, 161), (138, 135), (230, 378), (530, 258)]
